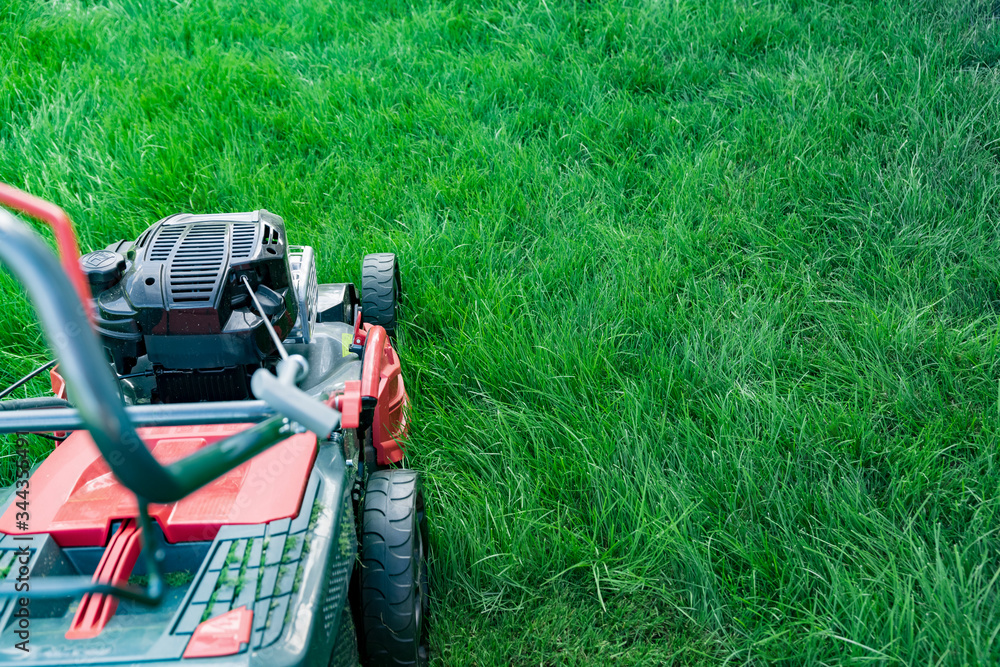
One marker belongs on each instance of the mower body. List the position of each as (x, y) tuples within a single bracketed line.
[(259, 561), (292, 572)]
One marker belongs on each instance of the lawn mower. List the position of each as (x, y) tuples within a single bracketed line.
[(228, 485)]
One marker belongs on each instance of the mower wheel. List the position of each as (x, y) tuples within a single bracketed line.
[(381, 291), (394, 582)]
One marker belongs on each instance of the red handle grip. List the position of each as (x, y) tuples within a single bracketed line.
[(69, 251)]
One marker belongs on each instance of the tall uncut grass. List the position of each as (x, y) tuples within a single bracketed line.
[(701, 296)]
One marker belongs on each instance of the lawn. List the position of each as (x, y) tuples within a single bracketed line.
[(702, 296)]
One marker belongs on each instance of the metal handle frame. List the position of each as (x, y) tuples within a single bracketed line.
[(62, 226)]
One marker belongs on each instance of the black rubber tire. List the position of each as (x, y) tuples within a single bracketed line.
[(381, 291), (394, 581)]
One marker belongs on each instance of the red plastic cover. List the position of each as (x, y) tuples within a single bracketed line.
[(381, 377), (74, 496), (221, 635)]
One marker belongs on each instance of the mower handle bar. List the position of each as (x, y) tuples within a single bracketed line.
[(36, 419), (62, 227), (94, 392)]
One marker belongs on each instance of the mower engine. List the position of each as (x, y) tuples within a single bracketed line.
[(174, 305)]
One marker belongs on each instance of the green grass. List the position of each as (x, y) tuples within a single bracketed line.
[(702, 296), (171, 579)]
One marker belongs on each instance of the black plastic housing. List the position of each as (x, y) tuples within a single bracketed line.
[(181, 301)]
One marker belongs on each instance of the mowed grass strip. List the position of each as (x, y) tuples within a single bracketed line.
[(701, 297)]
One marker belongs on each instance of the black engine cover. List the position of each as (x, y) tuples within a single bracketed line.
[(177, 296)]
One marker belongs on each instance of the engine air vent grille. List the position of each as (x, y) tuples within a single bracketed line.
[(165, 241), (197, 263), (243, 238)]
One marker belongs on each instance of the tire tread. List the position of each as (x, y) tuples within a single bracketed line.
[(380, 290), (390, 627)]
